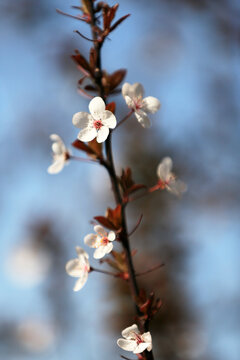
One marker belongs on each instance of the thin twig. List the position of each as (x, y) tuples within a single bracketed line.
[(136, 226), (104, 272), (150, 270), (83, 159), (71, 16), (125, 118), (83, 36)]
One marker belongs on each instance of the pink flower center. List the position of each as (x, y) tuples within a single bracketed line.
[(138, 103), (138, 339), (97, 124), (104, 240), (85, 268)]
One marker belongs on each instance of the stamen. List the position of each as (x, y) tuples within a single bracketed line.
[(97, 124)]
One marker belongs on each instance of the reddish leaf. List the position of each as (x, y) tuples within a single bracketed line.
[(80, 146), (105, 222), (82, 63), (90, 88), (116, 78), (92, 58), (115, 216), (96, 148), (136, 187), (111, 107), (119, 22)]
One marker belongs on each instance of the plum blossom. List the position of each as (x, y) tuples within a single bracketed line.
[(79, 268), (167, 180), (97, 123), (133, 95), (102, 241), (60, 155), (134, 341)]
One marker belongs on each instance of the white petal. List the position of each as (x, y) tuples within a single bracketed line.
[(164, 168), (128, 345), (58, 148), (56, 167), (109, 119), (135, 90), (126, 333), (81, 282), (108, 248), (102, 134), (130, 103), (111, 236), (148, 340), (177, 187), (74, 268), (81, 119), (81, 253), (96, 107), (100, 252), (143, 118), (90, 240), (140, 348), (151, 104), (100, 230), (55, 137), (87, 134), (125, 89)]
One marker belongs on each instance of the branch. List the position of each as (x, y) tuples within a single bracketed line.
[(150, 270)]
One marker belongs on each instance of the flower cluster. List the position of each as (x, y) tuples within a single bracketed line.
[(100, 121)]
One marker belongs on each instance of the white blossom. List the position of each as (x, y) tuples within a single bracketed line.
[(60, 155), (101, 241), (134, 341), (133, 95), (79, 268), (97, 123), (167, 180)]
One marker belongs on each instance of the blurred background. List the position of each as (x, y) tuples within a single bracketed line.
[(186, 53)]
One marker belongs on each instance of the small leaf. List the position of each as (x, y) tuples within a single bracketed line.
[(116, 78), (82, 63), (105, 222), (113, 27), (96, 148), (111, 107)]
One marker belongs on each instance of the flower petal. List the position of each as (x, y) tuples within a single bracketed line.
[(151, 104), (96, 107), (59, 148), (100, 252), (109, 119), (108, 248), (143, 118), (126, 333), (128, 345), (100, 230), (81, 119), (74, 268), (140, 348), (87, 134), (102, 134), (81, 281), (130, 103), (111, 236), (81, 253), (55, 137), (135, 90), (90, 240), (148, 340), (177, 187), (164, 168), (56, 167)]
